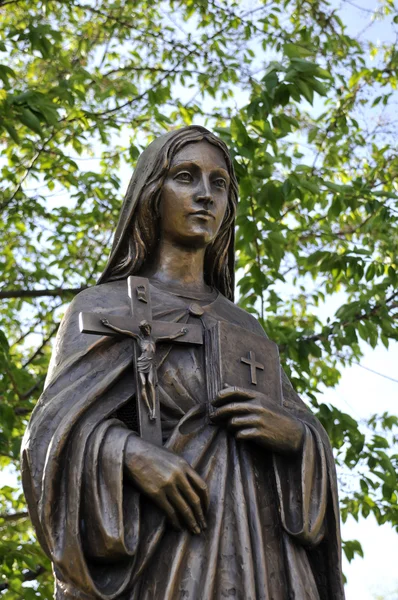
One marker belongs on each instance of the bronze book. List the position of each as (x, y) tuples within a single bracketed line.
[(236, 357)]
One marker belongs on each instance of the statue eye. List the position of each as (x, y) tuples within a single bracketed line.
[(184, 176), (221, 183)]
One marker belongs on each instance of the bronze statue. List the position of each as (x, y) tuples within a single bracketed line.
[(239, 497)]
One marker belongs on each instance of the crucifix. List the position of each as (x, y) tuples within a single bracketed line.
[(251, 361), (146, 333)]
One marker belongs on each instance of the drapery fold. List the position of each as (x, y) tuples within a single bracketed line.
[(273, 526), (302, 485)]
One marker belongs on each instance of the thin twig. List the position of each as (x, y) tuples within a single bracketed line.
[(16, 516), (14, 385), (258, 257), (375, 372), (41, 293), (363, 316), (27, 394), (29, 168), (40, 348), (9, 2)]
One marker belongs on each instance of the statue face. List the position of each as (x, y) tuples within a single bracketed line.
[(145, 328), (194, 195)]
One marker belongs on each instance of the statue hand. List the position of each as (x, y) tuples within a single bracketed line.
[(169, 481), (252, 416)]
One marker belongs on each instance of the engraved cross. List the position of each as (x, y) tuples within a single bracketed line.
[(251, 361)]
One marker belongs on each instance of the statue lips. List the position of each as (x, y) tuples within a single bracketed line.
[(203, 213)]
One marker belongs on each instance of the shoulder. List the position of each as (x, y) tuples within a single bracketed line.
[(234, 314), (104, 296), (109, 298)]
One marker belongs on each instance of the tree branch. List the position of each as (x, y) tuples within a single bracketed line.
[(29, 168), (41, 293), (131, 26), (258, 256), (21, 412), (31, 329), (40, 348), (363, 316), (367, 10), (9, 2), (14, 385), (135, 99), (27, 395), (16, 516), (190, 51), (128, 68)]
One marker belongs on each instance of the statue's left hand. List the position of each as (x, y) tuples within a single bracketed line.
[(252, 416)]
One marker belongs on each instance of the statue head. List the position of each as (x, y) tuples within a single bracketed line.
[(145, 327), (139, 228)]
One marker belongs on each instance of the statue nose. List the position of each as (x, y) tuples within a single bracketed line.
[(205, 196), (205, 200)]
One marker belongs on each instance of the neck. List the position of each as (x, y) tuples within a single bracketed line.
[(178, 266)]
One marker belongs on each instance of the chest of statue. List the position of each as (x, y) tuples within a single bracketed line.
[(147, 347)]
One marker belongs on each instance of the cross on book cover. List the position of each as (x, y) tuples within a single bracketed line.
[(237, 357)]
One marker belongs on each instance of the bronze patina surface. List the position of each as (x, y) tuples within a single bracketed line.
[(237, 497)]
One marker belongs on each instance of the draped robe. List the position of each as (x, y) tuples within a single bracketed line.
[(272, 524)]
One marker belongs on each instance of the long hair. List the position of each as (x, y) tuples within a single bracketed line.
[(138, 240)]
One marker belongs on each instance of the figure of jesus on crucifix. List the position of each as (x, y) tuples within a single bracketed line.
[(146, 366)]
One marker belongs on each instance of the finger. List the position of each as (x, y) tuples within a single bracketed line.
[(241, 422), (235, 408), (200, 488), (183, 509), (171, 514), (248, 434), (235, 393), (194, 502)]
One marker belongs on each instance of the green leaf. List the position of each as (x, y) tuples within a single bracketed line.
[(238, 131), (296, 51), (28, 118), (12, 132), (305, 90)]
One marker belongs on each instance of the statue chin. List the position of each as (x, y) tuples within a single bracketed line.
[(195, 236)]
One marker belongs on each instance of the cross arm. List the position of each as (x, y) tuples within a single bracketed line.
[(173, 336), (162, 331), (92, 323), (183, 333), (119, 330)]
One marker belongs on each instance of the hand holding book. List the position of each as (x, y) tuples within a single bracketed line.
[(250, 415)]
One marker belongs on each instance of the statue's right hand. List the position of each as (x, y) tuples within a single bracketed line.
[(169, 481)]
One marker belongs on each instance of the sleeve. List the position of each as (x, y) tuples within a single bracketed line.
[(302, 485), (302, 480), (110, 506), (73, 455), (308, 502)]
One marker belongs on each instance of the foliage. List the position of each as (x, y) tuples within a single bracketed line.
[(86, 84), (392, 595)]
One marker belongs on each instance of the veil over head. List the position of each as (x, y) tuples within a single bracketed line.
[(152, 167)]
